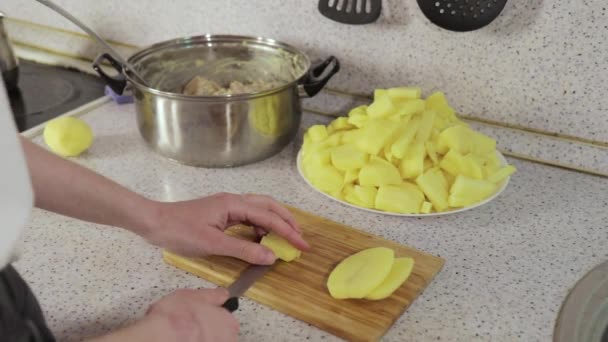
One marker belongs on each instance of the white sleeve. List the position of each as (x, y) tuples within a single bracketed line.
[(16, 198)]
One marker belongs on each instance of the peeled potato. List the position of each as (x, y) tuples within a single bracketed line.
[(348, 157), (467, 191), (360, 273), (401, 270), (501, 174), (405, 198), (280, 247), (379, 172), (435, 187), (68, 136)]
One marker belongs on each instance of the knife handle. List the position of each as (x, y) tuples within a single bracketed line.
[(232, 304)]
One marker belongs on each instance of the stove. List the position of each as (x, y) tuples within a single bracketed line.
[(47, 91)]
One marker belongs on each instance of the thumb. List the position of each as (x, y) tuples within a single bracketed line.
[(215, 296), (251, 252)]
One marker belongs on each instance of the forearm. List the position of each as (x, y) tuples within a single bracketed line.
[(69, 189)]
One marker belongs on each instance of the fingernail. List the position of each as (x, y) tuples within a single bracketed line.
[(268, 257)]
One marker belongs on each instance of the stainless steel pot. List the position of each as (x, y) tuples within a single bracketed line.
[(8, 62), (219, 130)]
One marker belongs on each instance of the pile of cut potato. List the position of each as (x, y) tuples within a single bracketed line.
[(403, 154)]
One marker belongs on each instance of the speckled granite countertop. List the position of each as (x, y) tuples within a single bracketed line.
[(509, 263)]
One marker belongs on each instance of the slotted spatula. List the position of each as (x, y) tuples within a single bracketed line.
[(461, 15), (353, 12)]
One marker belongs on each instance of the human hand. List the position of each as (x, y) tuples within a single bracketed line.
[(184, 315), (196, 227)]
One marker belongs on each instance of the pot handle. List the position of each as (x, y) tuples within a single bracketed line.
[(118, 83), (318, 76)]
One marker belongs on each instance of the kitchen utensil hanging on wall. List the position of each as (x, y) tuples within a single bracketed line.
[(353, 12), (461, 15)]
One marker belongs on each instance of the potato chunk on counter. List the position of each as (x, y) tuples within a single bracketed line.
[(411, 154)]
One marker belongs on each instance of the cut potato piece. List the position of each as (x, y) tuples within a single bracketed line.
[(481, 143), (339, 124), (360, 110), (452, 163), (378, 172), (426, 126), (374, 135), (435, 187), (348, 193), (326, 178), (359, 274), (351, 175), (317, 133), (467, 191), (351, 136), (358, 120), (412, 164), (366, 195), (401, 270), (455, 138), (401, 145), (502, 174), (381, 107), (348, 157), (426, 207), (405, 198), (410, 107), (431, 151), (404, 93), (280, 247)]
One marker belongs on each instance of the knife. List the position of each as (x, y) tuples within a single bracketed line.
[(247, 278)]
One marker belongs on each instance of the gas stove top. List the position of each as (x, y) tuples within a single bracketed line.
[(47, 91)]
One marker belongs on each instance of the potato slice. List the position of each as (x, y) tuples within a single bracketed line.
[(360, 110), (382, 106), (405, 198), (339, 124), (467, 191), (435, 187), (317, 133), (351, 176), (502, 174), (412, 164), (410, 107), (404, 93), (348, 157), (426, 126), (481, 143), (455, 138), (401, 145), (326, 178), (280, 247), (453, 163), (401, 270), (426, 207), (359, 274), (378, 172), (358, 120), (349, 195), (374, 135), (366, 195)]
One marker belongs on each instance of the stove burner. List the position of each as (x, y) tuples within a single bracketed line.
[(46, 91)]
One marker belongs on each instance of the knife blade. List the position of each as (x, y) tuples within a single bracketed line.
[(247, 278)]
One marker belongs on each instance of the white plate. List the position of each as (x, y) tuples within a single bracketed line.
[(498, 192)]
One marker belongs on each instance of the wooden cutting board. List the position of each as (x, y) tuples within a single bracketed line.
[(299, 288)]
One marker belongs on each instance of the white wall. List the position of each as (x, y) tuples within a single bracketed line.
[(542, 64)]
